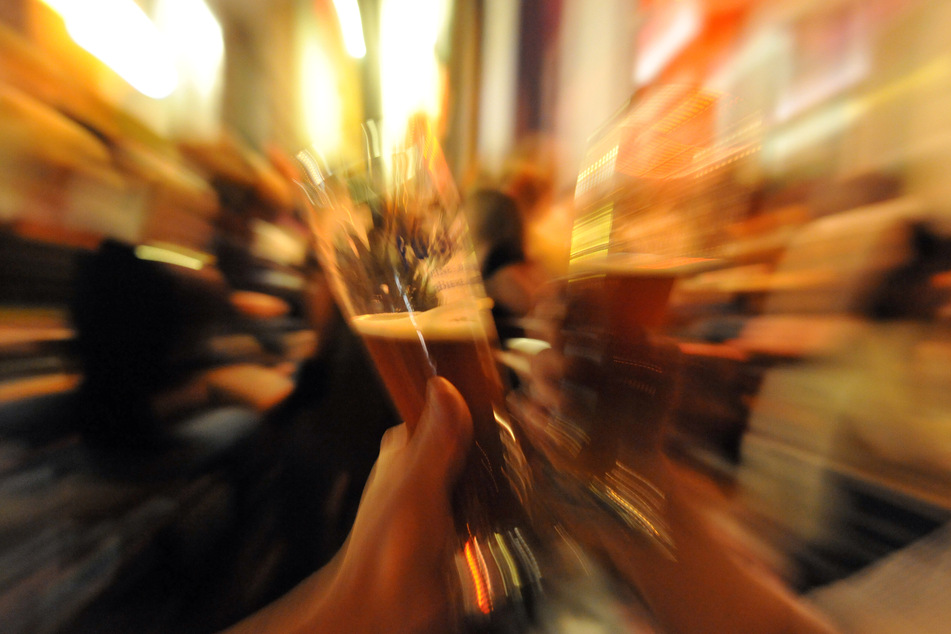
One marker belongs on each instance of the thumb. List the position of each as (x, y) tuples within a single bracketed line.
[(442, 438)]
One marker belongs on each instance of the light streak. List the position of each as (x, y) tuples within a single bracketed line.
[(478, 578)]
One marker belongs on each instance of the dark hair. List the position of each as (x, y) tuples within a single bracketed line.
[(494, 217), (907, 292)]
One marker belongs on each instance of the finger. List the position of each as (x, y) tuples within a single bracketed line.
[(394, 438), (443, 436)]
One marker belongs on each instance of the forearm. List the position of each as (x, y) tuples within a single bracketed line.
[(314, 605), (704, 587)]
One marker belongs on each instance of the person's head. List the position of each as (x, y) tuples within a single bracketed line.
[(494, 219), (528, 176), (915, 290)]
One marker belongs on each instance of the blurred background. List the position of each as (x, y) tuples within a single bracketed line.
[(186, 423)]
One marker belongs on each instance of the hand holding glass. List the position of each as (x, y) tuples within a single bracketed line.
[(392, 238)]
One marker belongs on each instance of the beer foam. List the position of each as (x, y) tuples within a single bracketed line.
[(644, 265), (443, 323)]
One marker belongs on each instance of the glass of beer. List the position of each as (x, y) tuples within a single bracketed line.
[(392, 237), (615, 308)]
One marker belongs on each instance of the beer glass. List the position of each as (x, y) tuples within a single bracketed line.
[(392, 238), (606, 388)]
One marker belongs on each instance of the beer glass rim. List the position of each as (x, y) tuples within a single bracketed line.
[(644, 265)]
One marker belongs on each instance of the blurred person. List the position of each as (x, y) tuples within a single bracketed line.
[(897, 410), (528, 177), (867, 394), (136, 322), (511, 278)]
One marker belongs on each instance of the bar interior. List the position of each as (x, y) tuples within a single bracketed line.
[(709, 241)]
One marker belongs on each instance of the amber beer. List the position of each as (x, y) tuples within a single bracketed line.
[(630, 293), (409, 348), (615, 306)]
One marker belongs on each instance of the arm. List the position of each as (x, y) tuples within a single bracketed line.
[(704, 588), (299, 609)]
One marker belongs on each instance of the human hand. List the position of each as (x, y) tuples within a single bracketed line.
[(596, 404), (394, 568), (393, 572)]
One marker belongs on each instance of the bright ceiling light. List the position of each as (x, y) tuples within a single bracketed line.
[(323, 108), (121, 35), (197, 49), (194, 33), (348, 12), (409, 69)]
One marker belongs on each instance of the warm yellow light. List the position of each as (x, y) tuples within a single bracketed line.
[(192, 30), (478, 578), (121, 35), (348, 12), (168, 256), (408, 66), (678, 24), (322, 106), (198, 51)]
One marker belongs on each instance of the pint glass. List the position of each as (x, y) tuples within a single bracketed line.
[(615, 306), (393, 240)]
